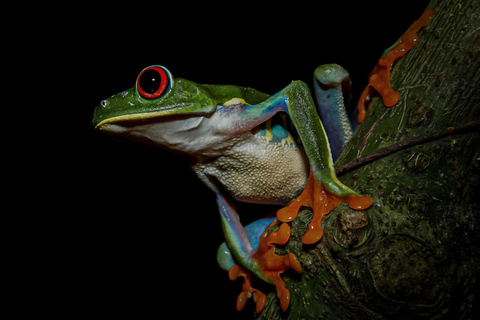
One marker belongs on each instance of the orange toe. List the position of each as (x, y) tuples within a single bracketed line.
[(316, 196), (270, 266)]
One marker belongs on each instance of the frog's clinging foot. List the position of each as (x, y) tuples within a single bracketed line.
[(316, 196), (268, 267), (259, 297)]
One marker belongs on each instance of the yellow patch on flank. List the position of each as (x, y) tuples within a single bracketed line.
[(268, 130), (235, 101), (288, 140)]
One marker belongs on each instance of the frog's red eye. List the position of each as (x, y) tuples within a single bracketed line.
[(153, 82)]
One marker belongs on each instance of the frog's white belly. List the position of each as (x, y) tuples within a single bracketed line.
[(257, 171), (263, 164)]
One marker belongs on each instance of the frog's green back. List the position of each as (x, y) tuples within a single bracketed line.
[(223, 93)]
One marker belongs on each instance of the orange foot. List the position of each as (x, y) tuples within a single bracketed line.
[(247, 290), (379, 78), (317, 197), (269, 266)]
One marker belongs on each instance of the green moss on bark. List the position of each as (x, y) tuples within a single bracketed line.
[(415, 253)]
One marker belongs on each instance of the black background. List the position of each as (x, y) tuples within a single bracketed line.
[(139, 232)]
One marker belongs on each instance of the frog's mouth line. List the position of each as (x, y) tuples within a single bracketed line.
[(136, 117), (129, 117)]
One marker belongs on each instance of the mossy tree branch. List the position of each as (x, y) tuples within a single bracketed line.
[(415, 253)]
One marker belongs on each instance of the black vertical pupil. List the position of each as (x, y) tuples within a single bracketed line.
[(150, 81)]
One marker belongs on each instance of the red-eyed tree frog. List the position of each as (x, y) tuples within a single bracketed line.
[(247, 146)]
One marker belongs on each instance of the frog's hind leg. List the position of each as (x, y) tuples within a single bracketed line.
[(332, 90), (252, 249), (254, 230), (225, 260)]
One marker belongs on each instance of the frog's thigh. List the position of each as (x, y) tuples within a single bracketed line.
[(254, 231)]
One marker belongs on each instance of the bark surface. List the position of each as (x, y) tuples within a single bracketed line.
[(415, 253)]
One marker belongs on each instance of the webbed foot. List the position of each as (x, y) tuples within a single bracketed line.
[(268, 266), (316, 196), (247, 290)]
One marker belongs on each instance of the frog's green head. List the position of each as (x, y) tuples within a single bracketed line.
[(167, 112), (156, 94)]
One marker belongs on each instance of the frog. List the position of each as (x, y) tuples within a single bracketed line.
[(248, 146)]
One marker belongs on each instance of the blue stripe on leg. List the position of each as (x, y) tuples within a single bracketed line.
[(254, 231)]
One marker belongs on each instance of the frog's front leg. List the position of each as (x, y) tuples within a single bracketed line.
[(323, 191)]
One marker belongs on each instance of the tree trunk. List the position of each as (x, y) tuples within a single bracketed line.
[(415, 253)]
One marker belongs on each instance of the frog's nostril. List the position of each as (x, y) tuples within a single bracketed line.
[(104, 103)]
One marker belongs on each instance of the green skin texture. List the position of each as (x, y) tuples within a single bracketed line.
[(188, 99)]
